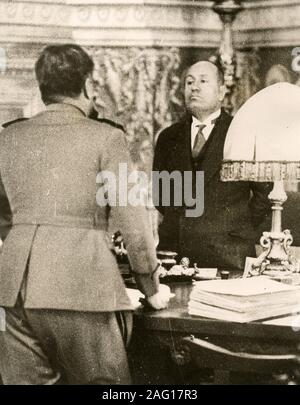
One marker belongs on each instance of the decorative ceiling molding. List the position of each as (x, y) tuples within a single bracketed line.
[(269, 23), (111, 23), (26, 26), (251, 4), (146, 23), (271, 38)]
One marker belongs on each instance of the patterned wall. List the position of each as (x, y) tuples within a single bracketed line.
[(139, 88)]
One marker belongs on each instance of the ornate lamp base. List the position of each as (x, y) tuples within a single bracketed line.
[(276, 260)]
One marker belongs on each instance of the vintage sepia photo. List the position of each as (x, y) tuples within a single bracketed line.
[(149, 194)]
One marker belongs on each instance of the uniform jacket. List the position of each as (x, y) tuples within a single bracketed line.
[(225, 234), (48, 169)]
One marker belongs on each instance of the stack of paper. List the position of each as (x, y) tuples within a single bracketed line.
[(243, 300)]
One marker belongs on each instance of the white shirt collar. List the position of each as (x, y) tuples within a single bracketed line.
[(208, 120), (209, 125)]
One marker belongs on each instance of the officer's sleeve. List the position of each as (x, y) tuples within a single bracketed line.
[(133, 221)]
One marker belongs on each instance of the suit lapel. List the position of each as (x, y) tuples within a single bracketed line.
[(211, 156), (181, 155)]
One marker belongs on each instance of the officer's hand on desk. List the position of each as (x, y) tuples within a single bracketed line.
[(161, 299)]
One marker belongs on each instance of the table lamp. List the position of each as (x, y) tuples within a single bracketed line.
[(263, 145)]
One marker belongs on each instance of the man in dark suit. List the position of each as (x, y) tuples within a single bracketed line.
[(225, 233), (64, 298)]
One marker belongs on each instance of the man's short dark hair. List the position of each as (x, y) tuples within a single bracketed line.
[(61, 71)]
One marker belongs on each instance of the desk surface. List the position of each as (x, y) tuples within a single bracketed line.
[(176, 319)]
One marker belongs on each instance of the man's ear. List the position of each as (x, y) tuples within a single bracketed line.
[(88, 89), (222, 92)]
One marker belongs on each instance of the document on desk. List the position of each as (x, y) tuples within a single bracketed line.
[(244, 286), (209, 311), (243, 300), (134, 296)]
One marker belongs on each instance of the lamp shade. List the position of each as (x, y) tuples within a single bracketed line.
[(263, 140)]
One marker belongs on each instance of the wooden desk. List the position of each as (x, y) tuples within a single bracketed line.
[(155, 349)]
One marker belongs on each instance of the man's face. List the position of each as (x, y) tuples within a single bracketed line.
[(203, 92)]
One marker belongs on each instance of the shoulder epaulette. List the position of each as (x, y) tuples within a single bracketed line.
[(112, 123), (7, 124)]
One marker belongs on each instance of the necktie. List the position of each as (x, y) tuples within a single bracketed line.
[(199, 142)]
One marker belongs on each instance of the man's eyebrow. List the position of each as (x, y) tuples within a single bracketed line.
[(189, 76)]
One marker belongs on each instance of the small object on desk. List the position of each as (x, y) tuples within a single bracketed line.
[(177, 273), (162, 271), (185, 262), (179, 270), (166, 253), (224, 275), (250, 268), (167, 258), (205, 274), (168, 263), (176, 270)]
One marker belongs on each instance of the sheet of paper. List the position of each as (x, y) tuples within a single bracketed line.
[(134, 296), (244, 286)]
